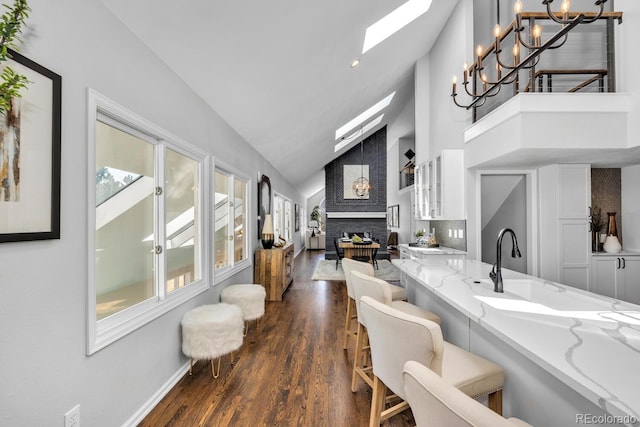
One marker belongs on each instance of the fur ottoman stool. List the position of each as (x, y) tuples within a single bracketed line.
[(249, 297), (211, 331)]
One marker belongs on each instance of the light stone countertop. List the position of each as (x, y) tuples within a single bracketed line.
[(441, 250), (590, 342)]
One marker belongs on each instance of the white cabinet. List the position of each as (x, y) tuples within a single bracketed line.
[(565, 194), (617, 276), (439, 187)]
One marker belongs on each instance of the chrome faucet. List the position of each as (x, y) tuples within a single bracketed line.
[(496, 271)]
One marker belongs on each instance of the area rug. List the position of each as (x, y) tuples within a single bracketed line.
[(326, 270)]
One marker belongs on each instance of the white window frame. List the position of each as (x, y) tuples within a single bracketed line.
[(103, 332), (233, 267)]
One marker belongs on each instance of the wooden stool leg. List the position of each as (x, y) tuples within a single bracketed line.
[(191, 366), (495, 402), (347, 324), (246, 328), (377, 402)]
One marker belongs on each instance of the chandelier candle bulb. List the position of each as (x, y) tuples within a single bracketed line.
[(465, 67), (564, 8), (496, 33), (479, 50), (453, 83), (537, 33)]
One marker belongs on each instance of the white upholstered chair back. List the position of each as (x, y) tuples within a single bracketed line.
[(435, 403), (395, 338), (364, 285), (349, 265)]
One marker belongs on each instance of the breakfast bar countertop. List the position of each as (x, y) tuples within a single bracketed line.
[(589, 342)]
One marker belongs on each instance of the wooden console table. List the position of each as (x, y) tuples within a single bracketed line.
[(273, 268)]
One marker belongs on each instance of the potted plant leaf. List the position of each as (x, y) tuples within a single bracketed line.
[(11, 23)]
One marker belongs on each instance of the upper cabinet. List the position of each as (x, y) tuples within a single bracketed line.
[(439, 187), (574, 191)]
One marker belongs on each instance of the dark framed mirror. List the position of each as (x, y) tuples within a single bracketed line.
[(264, 201)]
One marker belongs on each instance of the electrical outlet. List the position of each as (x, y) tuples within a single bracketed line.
[(72, 417), (460, 233), (450, 232), (455, 234)]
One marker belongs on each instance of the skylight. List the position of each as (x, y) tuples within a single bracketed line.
[(393, 22), (364, 116), (366, 128)]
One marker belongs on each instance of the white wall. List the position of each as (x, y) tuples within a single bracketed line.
[(403, 127), (43, 285)]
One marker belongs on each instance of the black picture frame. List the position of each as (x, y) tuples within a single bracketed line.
[(264, 201), (297, 217), (39, 137), (393, 216)]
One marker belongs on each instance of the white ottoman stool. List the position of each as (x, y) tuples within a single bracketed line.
[(249, 297), (211, 331)]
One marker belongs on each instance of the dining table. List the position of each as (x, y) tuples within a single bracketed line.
[(358, 250)]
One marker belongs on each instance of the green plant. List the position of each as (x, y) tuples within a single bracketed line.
[(419, 233), (316, 215), (597, 221), (11, 23)]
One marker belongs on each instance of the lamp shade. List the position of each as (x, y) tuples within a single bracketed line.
[(267, 228)]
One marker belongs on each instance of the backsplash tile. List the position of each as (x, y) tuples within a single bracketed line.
[(605, 194)]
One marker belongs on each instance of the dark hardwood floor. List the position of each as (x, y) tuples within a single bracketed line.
[(292, 371)]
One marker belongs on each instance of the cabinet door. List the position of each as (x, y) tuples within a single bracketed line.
[(421, 192), (630, 290), (605, 270), (575, 253), (450, 173), (574, 191)]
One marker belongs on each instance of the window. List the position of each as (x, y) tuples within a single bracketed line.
[(146, 222), (230, 229), (282, 217)]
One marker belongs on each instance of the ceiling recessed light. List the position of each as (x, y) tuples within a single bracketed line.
[(393, 22), (364, 116), (355, 63)]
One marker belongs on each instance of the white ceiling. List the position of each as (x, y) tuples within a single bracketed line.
[(279, 72)]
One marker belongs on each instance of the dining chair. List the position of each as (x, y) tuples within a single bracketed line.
[(339, 253)]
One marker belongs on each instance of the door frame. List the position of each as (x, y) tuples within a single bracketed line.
[(531, 176)]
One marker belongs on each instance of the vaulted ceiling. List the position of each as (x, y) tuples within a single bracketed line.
[(279, 72)]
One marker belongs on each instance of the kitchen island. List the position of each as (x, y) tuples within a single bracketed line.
[(570, 357)]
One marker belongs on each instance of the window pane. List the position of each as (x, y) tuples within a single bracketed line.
[(221, 220), (278, 206), (240, 219), (181, 207), (124, 261), (287, 220)]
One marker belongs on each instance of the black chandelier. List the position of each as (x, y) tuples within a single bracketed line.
[(506, 73)]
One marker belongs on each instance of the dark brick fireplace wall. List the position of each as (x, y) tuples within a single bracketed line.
[(375, 155)]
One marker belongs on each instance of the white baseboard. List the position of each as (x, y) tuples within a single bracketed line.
[(146, 408)]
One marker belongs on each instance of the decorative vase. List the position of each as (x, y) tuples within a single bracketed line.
[(612, 245), (267, 232), (612, 230)]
